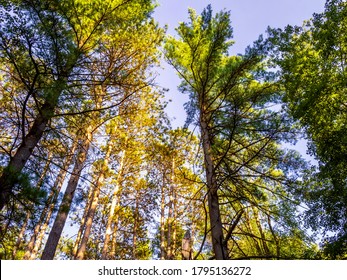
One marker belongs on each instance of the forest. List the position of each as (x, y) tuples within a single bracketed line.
[(91, 167)]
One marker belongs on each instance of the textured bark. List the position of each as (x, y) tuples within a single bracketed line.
[(59, 223), (219, 246), (45, 217)]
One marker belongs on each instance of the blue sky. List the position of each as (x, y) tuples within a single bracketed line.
[(250, 18)]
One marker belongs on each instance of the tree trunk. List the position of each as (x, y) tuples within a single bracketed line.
[(171, 213), (162, 219), (83, 223), (219, 247), (136, 222), (40, 228), (94, 204), (59, 223), (115, 202), (11, 173)]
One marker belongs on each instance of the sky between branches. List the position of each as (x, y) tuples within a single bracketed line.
[(250, 18)]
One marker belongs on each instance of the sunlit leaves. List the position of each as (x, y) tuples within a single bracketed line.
[(312, 62)]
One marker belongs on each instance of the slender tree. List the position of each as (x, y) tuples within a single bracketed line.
[(239, 135)]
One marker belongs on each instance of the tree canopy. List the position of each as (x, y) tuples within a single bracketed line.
[(312, 61), (86, 140)]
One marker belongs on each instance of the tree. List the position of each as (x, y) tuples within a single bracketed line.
[(230, 101), (195, 57), (171, 168), (46, 63), (312, 61), (39, 63)]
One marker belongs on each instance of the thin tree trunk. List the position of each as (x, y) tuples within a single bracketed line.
[(94, 204), (52, 200), (21, 235), (112, 254), (162, 220), (59, 223), (115, 202), (171, 212), (219, 247), (136, 221), (83, 222)]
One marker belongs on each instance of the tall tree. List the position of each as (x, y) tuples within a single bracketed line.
[(229, 100), (196, 57), (53, 58), (312, 61)]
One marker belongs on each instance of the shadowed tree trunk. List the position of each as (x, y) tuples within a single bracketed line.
[(40, 228), (59, 223), (11, 174), (219, 246)]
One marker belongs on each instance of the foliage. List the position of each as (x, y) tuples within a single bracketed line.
[(312, 72), (230, 100), (80, 108)]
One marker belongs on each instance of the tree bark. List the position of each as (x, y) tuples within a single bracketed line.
[(40, 228), (59, 223), (10, 175), (219, 247)]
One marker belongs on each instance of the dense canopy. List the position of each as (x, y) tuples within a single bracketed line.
[(85, 137)]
